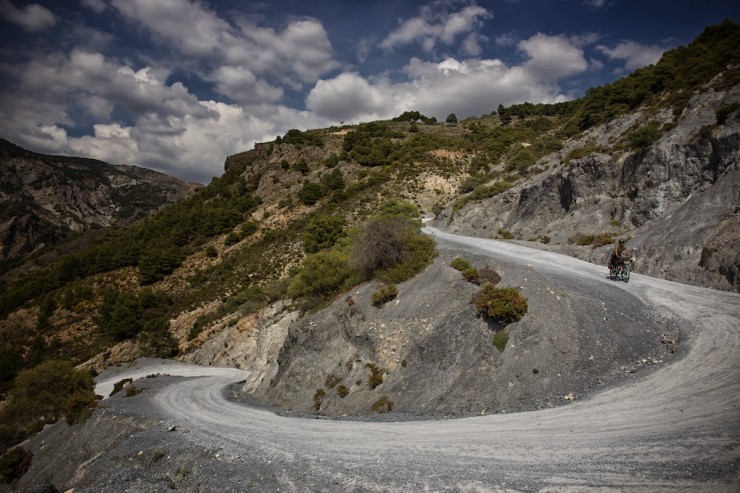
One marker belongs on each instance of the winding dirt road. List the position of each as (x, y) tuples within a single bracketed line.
[(678, 428)]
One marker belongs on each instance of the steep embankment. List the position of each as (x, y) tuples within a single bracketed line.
[(679, 198), (437, 357)]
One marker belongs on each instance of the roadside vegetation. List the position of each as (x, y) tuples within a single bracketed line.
[(42, 395)]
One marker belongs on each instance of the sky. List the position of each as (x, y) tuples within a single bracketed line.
[(179, 85)]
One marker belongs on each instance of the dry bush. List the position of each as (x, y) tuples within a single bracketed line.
[(383, 295), (381, 246)]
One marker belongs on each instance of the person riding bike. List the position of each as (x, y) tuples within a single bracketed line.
[(616, 258)]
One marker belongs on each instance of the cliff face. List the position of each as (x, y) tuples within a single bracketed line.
[(678, 200), (44, 198)]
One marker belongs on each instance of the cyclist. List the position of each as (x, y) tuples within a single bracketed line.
[(619, 250)]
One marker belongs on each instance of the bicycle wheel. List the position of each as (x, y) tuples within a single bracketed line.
[(625, 274), (613, 272)]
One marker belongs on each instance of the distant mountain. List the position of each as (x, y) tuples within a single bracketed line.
[(43, 199)]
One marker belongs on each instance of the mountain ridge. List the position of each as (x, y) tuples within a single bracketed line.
[(45, 198)]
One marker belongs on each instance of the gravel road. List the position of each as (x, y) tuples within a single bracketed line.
[(676, 429)]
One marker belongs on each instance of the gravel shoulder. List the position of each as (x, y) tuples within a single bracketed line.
[(673, 428)]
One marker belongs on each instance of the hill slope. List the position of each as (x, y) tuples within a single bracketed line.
[(44, 199)]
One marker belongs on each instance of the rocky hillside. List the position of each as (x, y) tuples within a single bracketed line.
[(44, 199), (677, 198)]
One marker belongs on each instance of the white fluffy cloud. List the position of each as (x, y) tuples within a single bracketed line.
[(552, 57), (349, 97), (463, 86), (634, 54), (434, 24), (170, 129), (297, 55), (32, 17)]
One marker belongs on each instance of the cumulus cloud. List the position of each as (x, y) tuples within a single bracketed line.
[(349, 97), (633, 54), (32, 17), (297, 55), (166, 119), (192, 28), (436, 24), (240, 84), (82, 75), (552, 57), (468, 86)]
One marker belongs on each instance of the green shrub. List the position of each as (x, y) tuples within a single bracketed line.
[(302, 167), (595, 240), (383, 295), (155, 340), (331, 161), (14, 464), (482, 192), (79, 407), (471, 274), (375, 375), (399, 209), (614, 223), (122, 315), (500, 338), (644, 136), (232, 239), (249, 228), (311, 193), (500, 305), (195, 331), (602, 239), (322, 232), (296, 137), (318, 398), (323, 274), (470, 183), (520, 159), (545, 239), (505, 234), (420, 252), (460, 264), (382, 405), (40, 395), (333, 180), (342, 391)]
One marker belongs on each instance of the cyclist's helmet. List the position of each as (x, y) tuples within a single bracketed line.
[(621, 242)]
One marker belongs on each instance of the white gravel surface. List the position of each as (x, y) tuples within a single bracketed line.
[(676, 429)]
